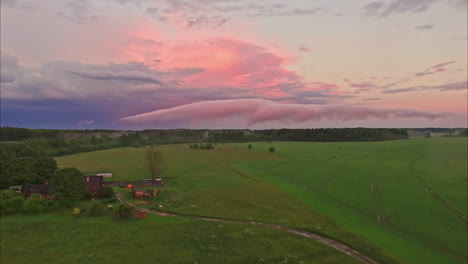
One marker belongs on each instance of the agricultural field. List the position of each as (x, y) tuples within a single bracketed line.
[(53, 238), (396, 201)]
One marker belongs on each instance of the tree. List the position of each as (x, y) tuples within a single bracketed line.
[(68, 185), (427, 134), (250, 146), (272, 149), (154, 160)]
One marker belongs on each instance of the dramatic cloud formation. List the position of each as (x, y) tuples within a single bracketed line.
[(104, 60), (260, 111)]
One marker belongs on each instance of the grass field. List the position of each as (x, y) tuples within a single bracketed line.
[(53, 238), (408, 198)]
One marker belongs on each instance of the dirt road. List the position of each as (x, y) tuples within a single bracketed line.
[(309, 235)]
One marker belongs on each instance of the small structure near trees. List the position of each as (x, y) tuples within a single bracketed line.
[(139, 193)]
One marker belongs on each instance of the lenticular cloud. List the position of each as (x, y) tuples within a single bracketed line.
[(256, 111)]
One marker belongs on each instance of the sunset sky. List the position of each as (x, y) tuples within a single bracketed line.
[(134, 64)]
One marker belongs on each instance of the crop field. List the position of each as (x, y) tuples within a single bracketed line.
[(395, 201)]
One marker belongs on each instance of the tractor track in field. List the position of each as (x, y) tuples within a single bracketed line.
[(307, 234), (382, 218), (435, 196), (385, 223)]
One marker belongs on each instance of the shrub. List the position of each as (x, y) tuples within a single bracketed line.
[(105, 192), (76, 211), (17, 204), (272, 149), (96, 209), (250, 146), (110, 200), (35, 204), (124, 211)]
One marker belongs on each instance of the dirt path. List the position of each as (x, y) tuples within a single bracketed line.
[(312, 236)]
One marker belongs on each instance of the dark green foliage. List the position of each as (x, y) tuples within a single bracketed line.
[(250, 146), (110, 200), (124, 211), (427, 134), (272, 149), (105, 192), (23, 164), (96, 209), (10, 202), (68, 185), (35, 204)]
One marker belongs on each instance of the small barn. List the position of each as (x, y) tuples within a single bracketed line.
[(42, 189), (105, 174), (139, 193), (157, 181), (93, 182)]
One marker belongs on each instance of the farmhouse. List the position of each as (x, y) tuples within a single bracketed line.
[(93, 182), (42, 189)]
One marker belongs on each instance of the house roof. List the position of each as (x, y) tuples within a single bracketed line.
[(42, 189)]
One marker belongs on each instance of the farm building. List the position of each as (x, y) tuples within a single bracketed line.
[(139, 193), (105, 174), (42, 189), (93, 183), (157, 181)]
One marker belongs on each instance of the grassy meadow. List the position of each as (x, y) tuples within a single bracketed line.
[(52, 238), (396, 201)]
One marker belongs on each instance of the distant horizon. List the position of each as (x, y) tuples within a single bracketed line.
[(91, 129)]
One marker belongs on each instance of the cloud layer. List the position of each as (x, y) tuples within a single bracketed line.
[(255, 111)]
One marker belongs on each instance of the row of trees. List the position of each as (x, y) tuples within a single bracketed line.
[(207, 145)]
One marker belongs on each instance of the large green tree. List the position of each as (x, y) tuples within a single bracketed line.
[(68, 185), (154, 162)]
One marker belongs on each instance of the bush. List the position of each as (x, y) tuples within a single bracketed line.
[(250, 146), (17, 204), (124, 211), (110, 200), (35, 204), (96, 209), (272, 149), (105, 192), (76, 211), (9, 203)]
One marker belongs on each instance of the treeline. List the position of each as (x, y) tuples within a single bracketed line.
[(329, 134), (65, 142)]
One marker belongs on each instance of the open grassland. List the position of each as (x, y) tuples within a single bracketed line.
[(406, 197), (63, 239)]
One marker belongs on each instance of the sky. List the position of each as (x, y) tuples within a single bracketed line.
[(142, 64)]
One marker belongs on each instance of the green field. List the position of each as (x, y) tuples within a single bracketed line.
[(62, 239), (405, 199)]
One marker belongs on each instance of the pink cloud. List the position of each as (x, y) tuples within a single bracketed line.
[(255, 111), (226, 62)]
